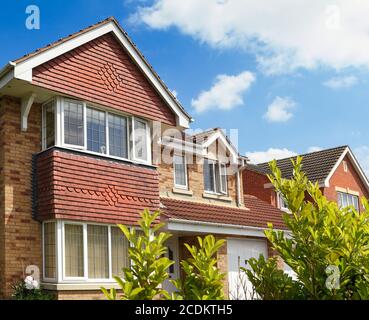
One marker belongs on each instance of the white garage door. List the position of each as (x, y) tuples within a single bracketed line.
[(240, 250)]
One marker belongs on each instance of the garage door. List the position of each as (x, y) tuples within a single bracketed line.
[(240, 250)]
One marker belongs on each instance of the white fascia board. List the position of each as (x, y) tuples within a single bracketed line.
[(326, 181), (213, 228), (181, 145), (220, 135), (6, 79), (23, 70)]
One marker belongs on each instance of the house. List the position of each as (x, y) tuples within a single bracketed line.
[(89, 136), (336, 170), (201, 193)]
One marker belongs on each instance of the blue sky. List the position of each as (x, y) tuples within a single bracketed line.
[(290, 80)]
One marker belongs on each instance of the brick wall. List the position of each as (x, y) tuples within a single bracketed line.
[(253, 184), (195, 185), (20, 234), (349, 180)]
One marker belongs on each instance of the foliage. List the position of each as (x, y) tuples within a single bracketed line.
[(203, 280), (326, 246), (271, 283), (21, 292), (149, 267)]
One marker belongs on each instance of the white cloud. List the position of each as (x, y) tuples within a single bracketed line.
[(341, 82), (362, 154), (226, 93), (314, 149), (270, 154), (280, 110), (283, 37)]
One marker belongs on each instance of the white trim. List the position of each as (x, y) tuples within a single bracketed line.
[(26, 104), (23, 69), (6, 79), (219, 134), (181, 145), (356, 165), (178, 186), (182, 225)]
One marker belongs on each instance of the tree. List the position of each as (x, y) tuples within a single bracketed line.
[(326, 246)]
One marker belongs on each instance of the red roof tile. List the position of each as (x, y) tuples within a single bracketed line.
[(258, 213)]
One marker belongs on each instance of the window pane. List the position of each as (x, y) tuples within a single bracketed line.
[(209, 175), (217, 177), (356, 203), (179, 170), (73, 123), (49, 250), (98, 252), (119, 252), (118, 136), (49, 124), (223, 178), (73, 250), (96, 136), (140, 140)]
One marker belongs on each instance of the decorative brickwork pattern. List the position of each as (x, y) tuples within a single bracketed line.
[(101, 71)]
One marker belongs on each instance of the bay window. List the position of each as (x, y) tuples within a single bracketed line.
[(215, 177), (75, 124), (86, 252)]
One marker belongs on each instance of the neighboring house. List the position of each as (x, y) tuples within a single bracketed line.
[(336, 170), (81, 124)]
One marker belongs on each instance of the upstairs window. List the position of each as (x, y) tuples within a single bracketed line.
[(180, 171), (215, 177), (74, 124), (48, 121), (282, 203), (346, 199)]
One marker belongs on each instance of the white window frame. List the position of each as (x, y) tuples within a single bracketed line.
[(60, 253), (179, 186), (59, 131), (221, 191), (280, 202), (148, 140), (47, 279), (339, 193), (43, 133)]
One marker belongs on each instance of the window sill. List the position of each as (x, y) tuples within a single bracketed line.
[(216, 196), (78, 286), (182, 191)]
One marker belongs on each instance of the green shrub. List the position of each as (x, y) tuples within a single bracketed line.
[(21, 292), (149, 267), (203, 280), (326, 246)]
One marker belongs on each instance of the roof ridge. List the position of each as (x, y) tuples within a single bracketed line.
[(304, 154)]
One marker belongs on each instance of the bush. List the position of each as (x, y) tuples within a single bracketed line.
[(326, 246), (144, 279), (203, 280), (21, 292)]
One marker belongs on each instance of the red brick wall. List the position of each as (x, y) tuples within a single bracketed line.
[(20, 244), (102, 72), (253, 184), (80, 187), (342, 179)]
